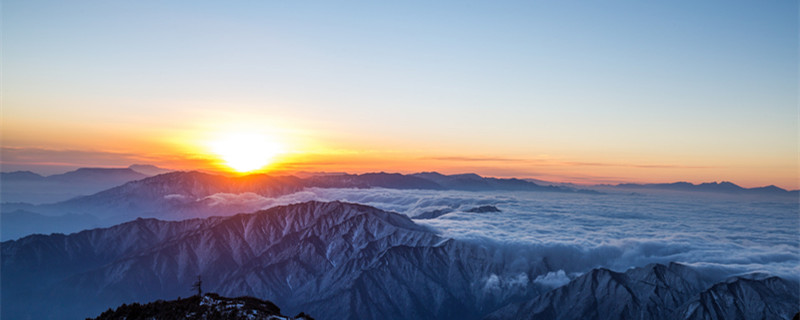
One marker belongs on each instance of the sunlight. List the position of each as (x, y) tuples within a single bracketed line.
[(246, 152)]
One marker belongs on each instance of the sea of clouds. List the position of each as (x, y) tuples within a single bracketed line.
[(577, 232)]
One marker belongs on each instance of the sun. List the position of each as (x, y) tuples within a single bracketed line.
[(245, 152)]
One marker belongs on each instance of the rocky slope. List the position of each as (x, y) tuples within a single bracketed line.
[(658, 291), (334, 260), (208, 307), (347, 261)]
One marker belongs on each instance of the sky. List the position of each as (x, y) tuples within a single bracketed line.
[(584, 92)]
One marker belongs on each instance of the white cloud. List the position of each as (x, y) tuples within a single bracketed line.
[(553, 279), (577, 232), (175, 196), (497, 283)]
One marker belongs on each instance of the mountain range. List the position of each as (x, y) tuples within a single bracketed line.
[(182, 195), (333, 260), (29, 187), (338, 260), (724, 187), (657, 291)]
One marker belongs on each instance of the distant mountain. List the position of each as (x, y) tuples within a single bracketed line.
[(26, 186), (659, 291), (20, 176), (183, 195), (717, 187), (176, 195), (171, 196), (95, 175), (19, 223), (148, 169), (484, 209), (210, 306), (372, 180), (429, 181), (333, 260), (474, 182), (432, 214)]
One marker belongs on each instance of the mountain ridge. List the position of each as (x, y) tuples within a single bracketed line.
[(209, 306), (329, 258)]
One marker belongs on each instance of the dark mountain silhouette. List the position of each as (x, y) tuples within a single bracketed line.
[(484, 209), (372, 180), (20, 176), (148, 169), (716, 187), (19, 223), (26, 186), (210, 306), (433, 214), (111, 175), (474, 182)]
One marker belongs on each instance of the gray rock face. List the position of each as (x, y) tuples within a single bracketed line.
[(339, 260), (657, 291), (742, 298), (333, 260)]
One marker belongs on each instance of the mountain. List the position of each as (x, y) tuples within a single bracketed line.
[(474, 182), (333, 260), (745, 298), (26, 186), (20, 176), (372, 180), (148, 169), (106, 175), (659, 291), (428, 181), (183, 195), (340, 260), (176, 195), (210, 306), (19, 223), (173, 196), (715, 187)]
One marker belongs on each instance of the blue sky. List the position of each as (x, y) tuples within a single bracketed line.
[(680, 83)]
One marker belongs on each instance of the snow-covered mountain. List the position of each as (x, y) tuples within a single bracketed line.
[(745, 298), (659, 291), (333, 260), (347, 261)]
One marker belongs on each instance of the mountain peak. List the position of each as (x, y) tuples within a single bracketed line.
[(209, 306)]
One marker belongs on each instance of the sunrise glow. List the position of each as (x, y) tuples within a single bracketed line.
[(244, 151)]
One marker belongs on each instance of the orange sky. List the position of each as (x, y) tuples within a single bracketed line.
[(185, 146), (591, 93)]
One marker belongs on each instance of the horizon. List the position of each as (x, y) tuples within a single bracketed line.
[(311, 173), (594, 93)]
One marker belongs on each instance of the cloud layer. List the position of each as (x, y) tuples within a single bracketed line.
[(577, 232)]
